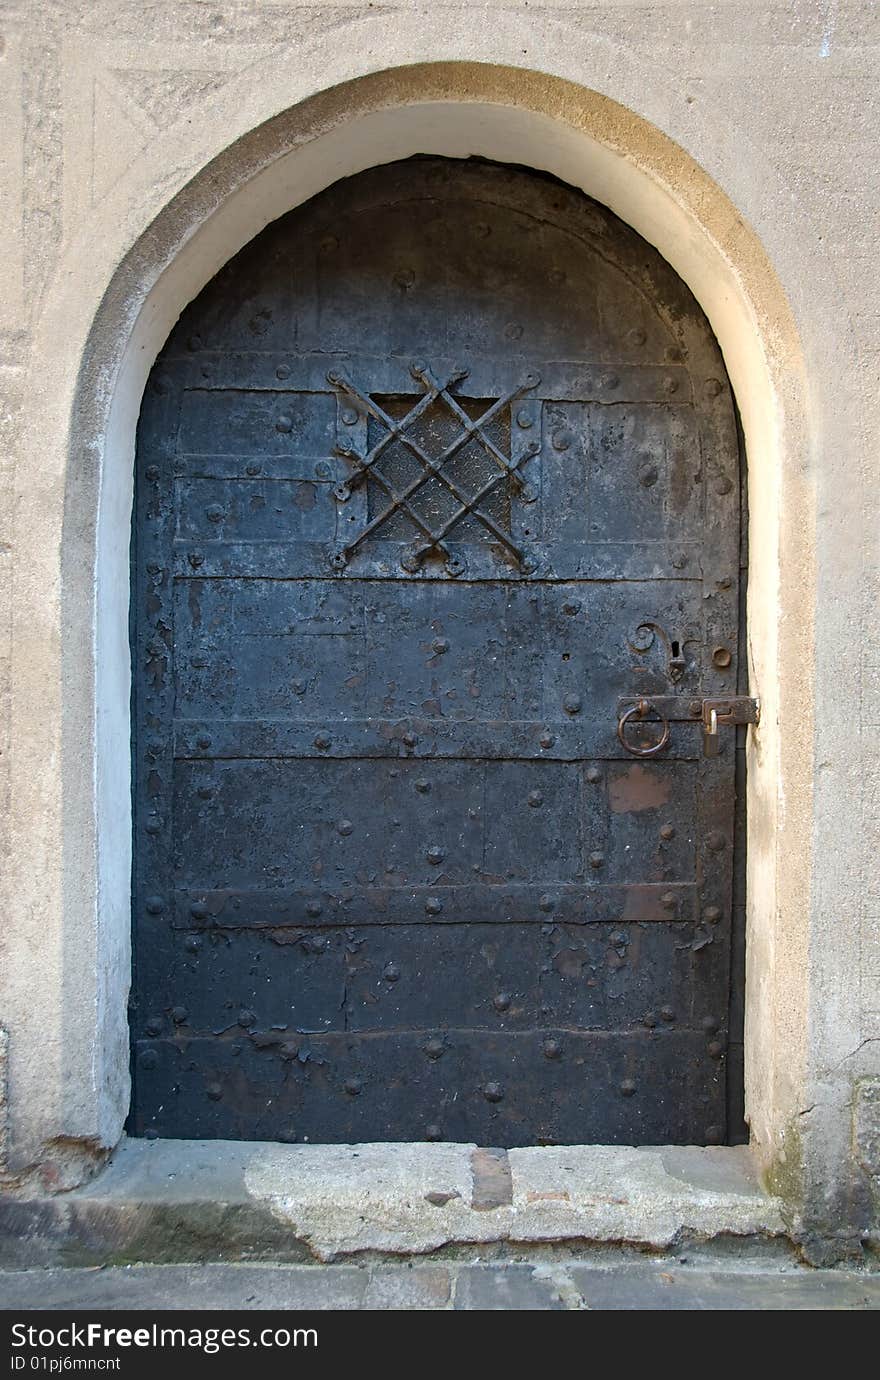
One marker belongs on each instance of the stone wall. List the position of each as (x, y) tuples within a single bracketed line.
[(143, 143)]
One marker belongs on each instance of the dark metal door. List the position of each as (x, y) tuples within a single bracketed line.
[(436, 475)]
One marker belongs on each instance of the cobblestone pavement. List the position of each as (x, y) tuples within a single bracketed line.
[(654, 1284)]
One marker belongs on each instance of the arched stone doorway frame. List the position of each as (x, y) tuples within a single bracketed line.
[(165, 230)]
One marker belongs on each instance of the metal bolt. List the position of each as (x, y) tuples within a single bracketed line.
[(695, 709), (572, 704), (214, 513), (501, 1002), (344, 827), (593, 775), (493, 1092), (597, 859), (667, 832), (284, 424), (546, 739), (721, 658), (440, 645), (299, 687), (561, 440), (179, 1014), (535, 799), (435, 855), (648, 476), (282, 372), (667, 1013), (154, 905), (246, 1018), (552, 1049), (627, 1087), (712, 914), (423, 786), (253, 468), (322, 741), (195, 559), (314, 909), (434, 1047), (391, 972), (349, 416), (433, 905), (524, 419), (322, 470)]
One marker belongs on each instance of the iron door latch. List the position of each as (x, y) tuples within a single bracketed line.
[(664, 710)]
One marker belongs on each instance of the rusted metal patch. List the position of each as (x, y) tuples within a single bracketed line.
[(639, 788), (493, 1182)]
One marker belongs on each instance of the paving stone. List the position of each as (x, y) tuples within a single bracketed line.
[(398, 1287), (179, 1287), (503, 1287), (662, 1289)]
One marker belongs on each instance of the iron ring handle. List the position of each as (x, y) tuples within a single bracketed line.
[(641, 709)]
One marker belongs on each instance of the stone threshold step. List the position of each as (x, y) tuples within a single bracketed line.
[(163, 1201)]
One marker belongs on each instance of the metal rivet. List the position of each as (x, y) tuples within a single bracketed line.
[(391, 972), (546, 903), (323, 470), (620, 939), (713, 1135), (571, 607), (329, 243), (433, 905), (149, 1059), (154, 905), (715, 1049), (195, 559), (713, 387), (353, 1086), (404, 278), (715, 840), (151, 1133), (667, 832), (513, 331), (593, 775), (440, 645), (204, 792), (709, 1024), (153, 825), (668, 900), (154, 1025), (670, 385), (712, 914), (314, 909), (725, 582), (192, 943), (679, 560), (597, 859), (721, 658), (493, 1092), (649, 1019), (422, 786), (344, 827), (572, 704), (524, 419), (154, 568), (435, 855), (410, 739), (349, 416), (695, 709), (556, 275), (214, 513), (561, 440), (246, 1018), (482, 229), (152, 473), (198, 910), (434, 1047), (203, 742), (552, 1049), (637, 337), (253, 468), (648, 476), (546, 739), (673, 354), (501, 1002), (627, 1087), (282, 372), (284, 424), (194, 343), (610, 381), (667, 1013), (214, 1092), (535, 799), (433, 1132), (322, 741), (299, 687), (179, 1014), (723, 484)]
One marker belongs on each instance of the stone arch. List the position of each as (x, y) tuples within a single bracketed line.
[(114, 318)]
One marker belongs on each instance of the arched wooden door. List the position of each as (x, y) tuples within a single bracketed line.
[(435, 479)]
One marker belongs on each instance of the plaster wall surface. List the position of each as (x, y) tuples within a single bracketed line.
[(142, 144)]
